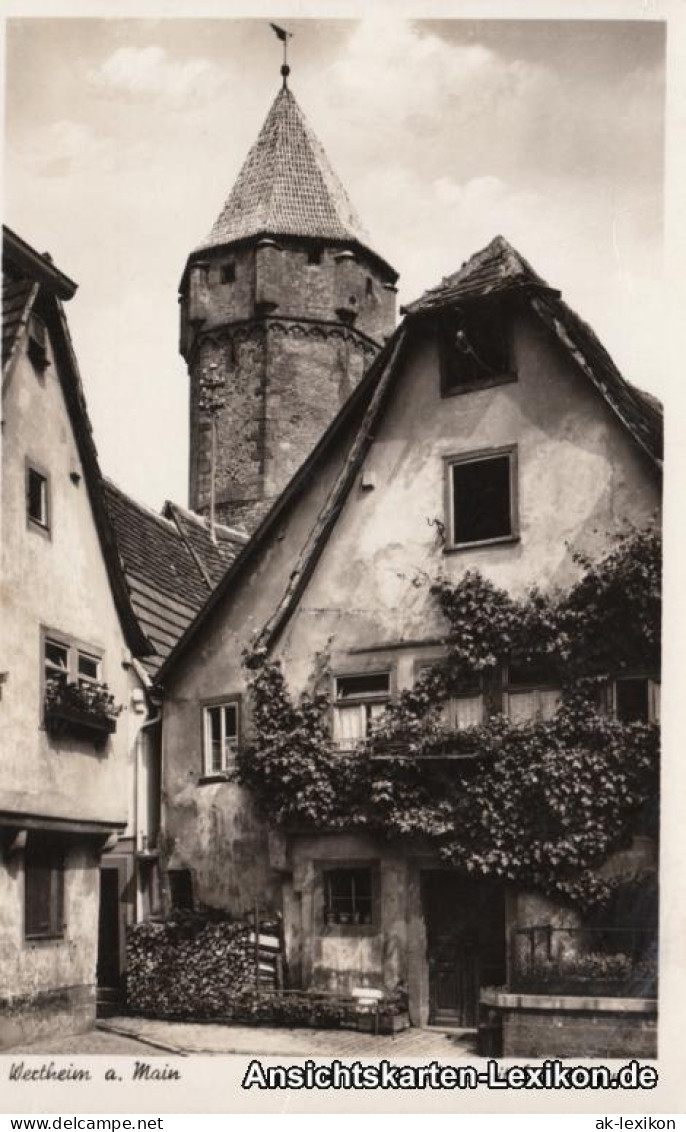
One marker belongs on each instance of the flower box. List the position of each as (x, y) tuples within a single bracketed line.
[(86, 710), (70, 720), (393, 1023)]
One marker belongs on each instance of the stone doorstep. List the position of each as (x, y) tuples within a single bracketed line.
[(575, 1003)]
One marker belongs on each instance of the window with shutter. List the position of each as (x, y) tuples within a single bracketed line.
[(43, 889)]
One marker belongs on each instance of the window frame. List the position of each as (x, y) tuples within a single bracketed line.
[(34, 467), (319, 902), (654, 693), (447, 362), (476, 691), (361, 701), (234, 700), (480, 455), (75, 648), (56, 857)]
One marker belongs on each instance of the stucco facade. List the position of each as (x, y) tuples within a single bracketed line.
[(579, 477), (65, 792)]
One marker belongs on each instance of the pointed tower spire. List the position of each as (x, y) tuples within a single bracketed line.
[(287, 303)]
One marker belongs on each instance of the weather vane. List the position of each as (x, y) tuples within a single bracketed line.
[(284, 36)]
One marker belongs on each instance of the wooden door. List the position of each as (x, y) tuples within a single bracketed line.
[(465, 926), (109, 928)]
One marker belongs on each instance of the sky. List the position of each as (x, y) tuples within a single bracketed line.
[(123, 139)]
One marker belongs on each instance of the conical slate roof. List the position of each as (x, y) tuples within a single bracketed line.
[(287, 187)]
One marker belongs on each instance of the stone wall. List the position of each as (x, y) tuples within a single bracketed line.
[(283, 384), (545, 1026)]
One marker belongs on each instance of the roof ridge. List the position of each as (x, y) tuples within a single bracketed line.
[(108, 482)]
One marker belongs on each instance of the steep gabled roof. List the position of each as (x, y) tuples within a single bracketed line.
[(171, 564), (287, 187), (33, 281), (497, 268)]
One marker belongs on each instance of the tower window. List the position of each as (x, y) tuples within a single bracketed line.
[(314, 256), (227, 272)]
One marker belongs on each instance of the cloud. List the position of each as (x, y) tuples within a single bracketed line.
[(149, 73), (65, 148)]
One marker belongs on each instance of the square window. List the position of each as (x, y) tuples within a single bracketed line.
[(531, 692), (475, 349), (636, 700), (227, 272), (464, 711), (43, 889), (481, 498), (37, 497), (348, 896), (360, 700), (220, 737), (314, 256)]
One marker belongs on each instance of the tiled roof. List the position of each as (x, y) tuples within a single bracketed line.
[(287, 187), (496, 267), (171, 565), (16, 292), (499, 267), (30, 280)]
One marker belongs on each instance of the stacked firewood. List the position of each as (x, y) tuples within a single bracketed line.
[(189, 968)]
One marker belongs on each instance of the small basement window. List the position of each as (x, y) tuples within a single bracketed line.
[(474, 345), (348, 896), (43, 889), (37, 501), (227, 272), (220, 736), (359, 701), (481, 498)]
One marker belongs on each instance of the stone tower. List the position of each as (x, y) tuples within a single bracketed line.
[(286, 304)]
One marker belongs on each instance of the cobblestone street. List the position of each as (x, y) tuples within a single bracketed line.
[(147, 1037), (187, 1037), (91, 1043)]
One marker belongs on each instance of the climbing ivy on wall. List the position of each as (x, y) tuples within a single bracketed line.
[(540, 804)]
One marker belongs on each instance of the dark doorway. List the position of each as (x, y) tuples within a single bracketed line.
[(465, 927), (109, 939)]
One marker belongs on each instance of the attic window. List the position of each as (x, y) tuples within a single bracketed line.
[(37, 498), (37, 342), (227, 272), (314, 256), (475, 347)]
